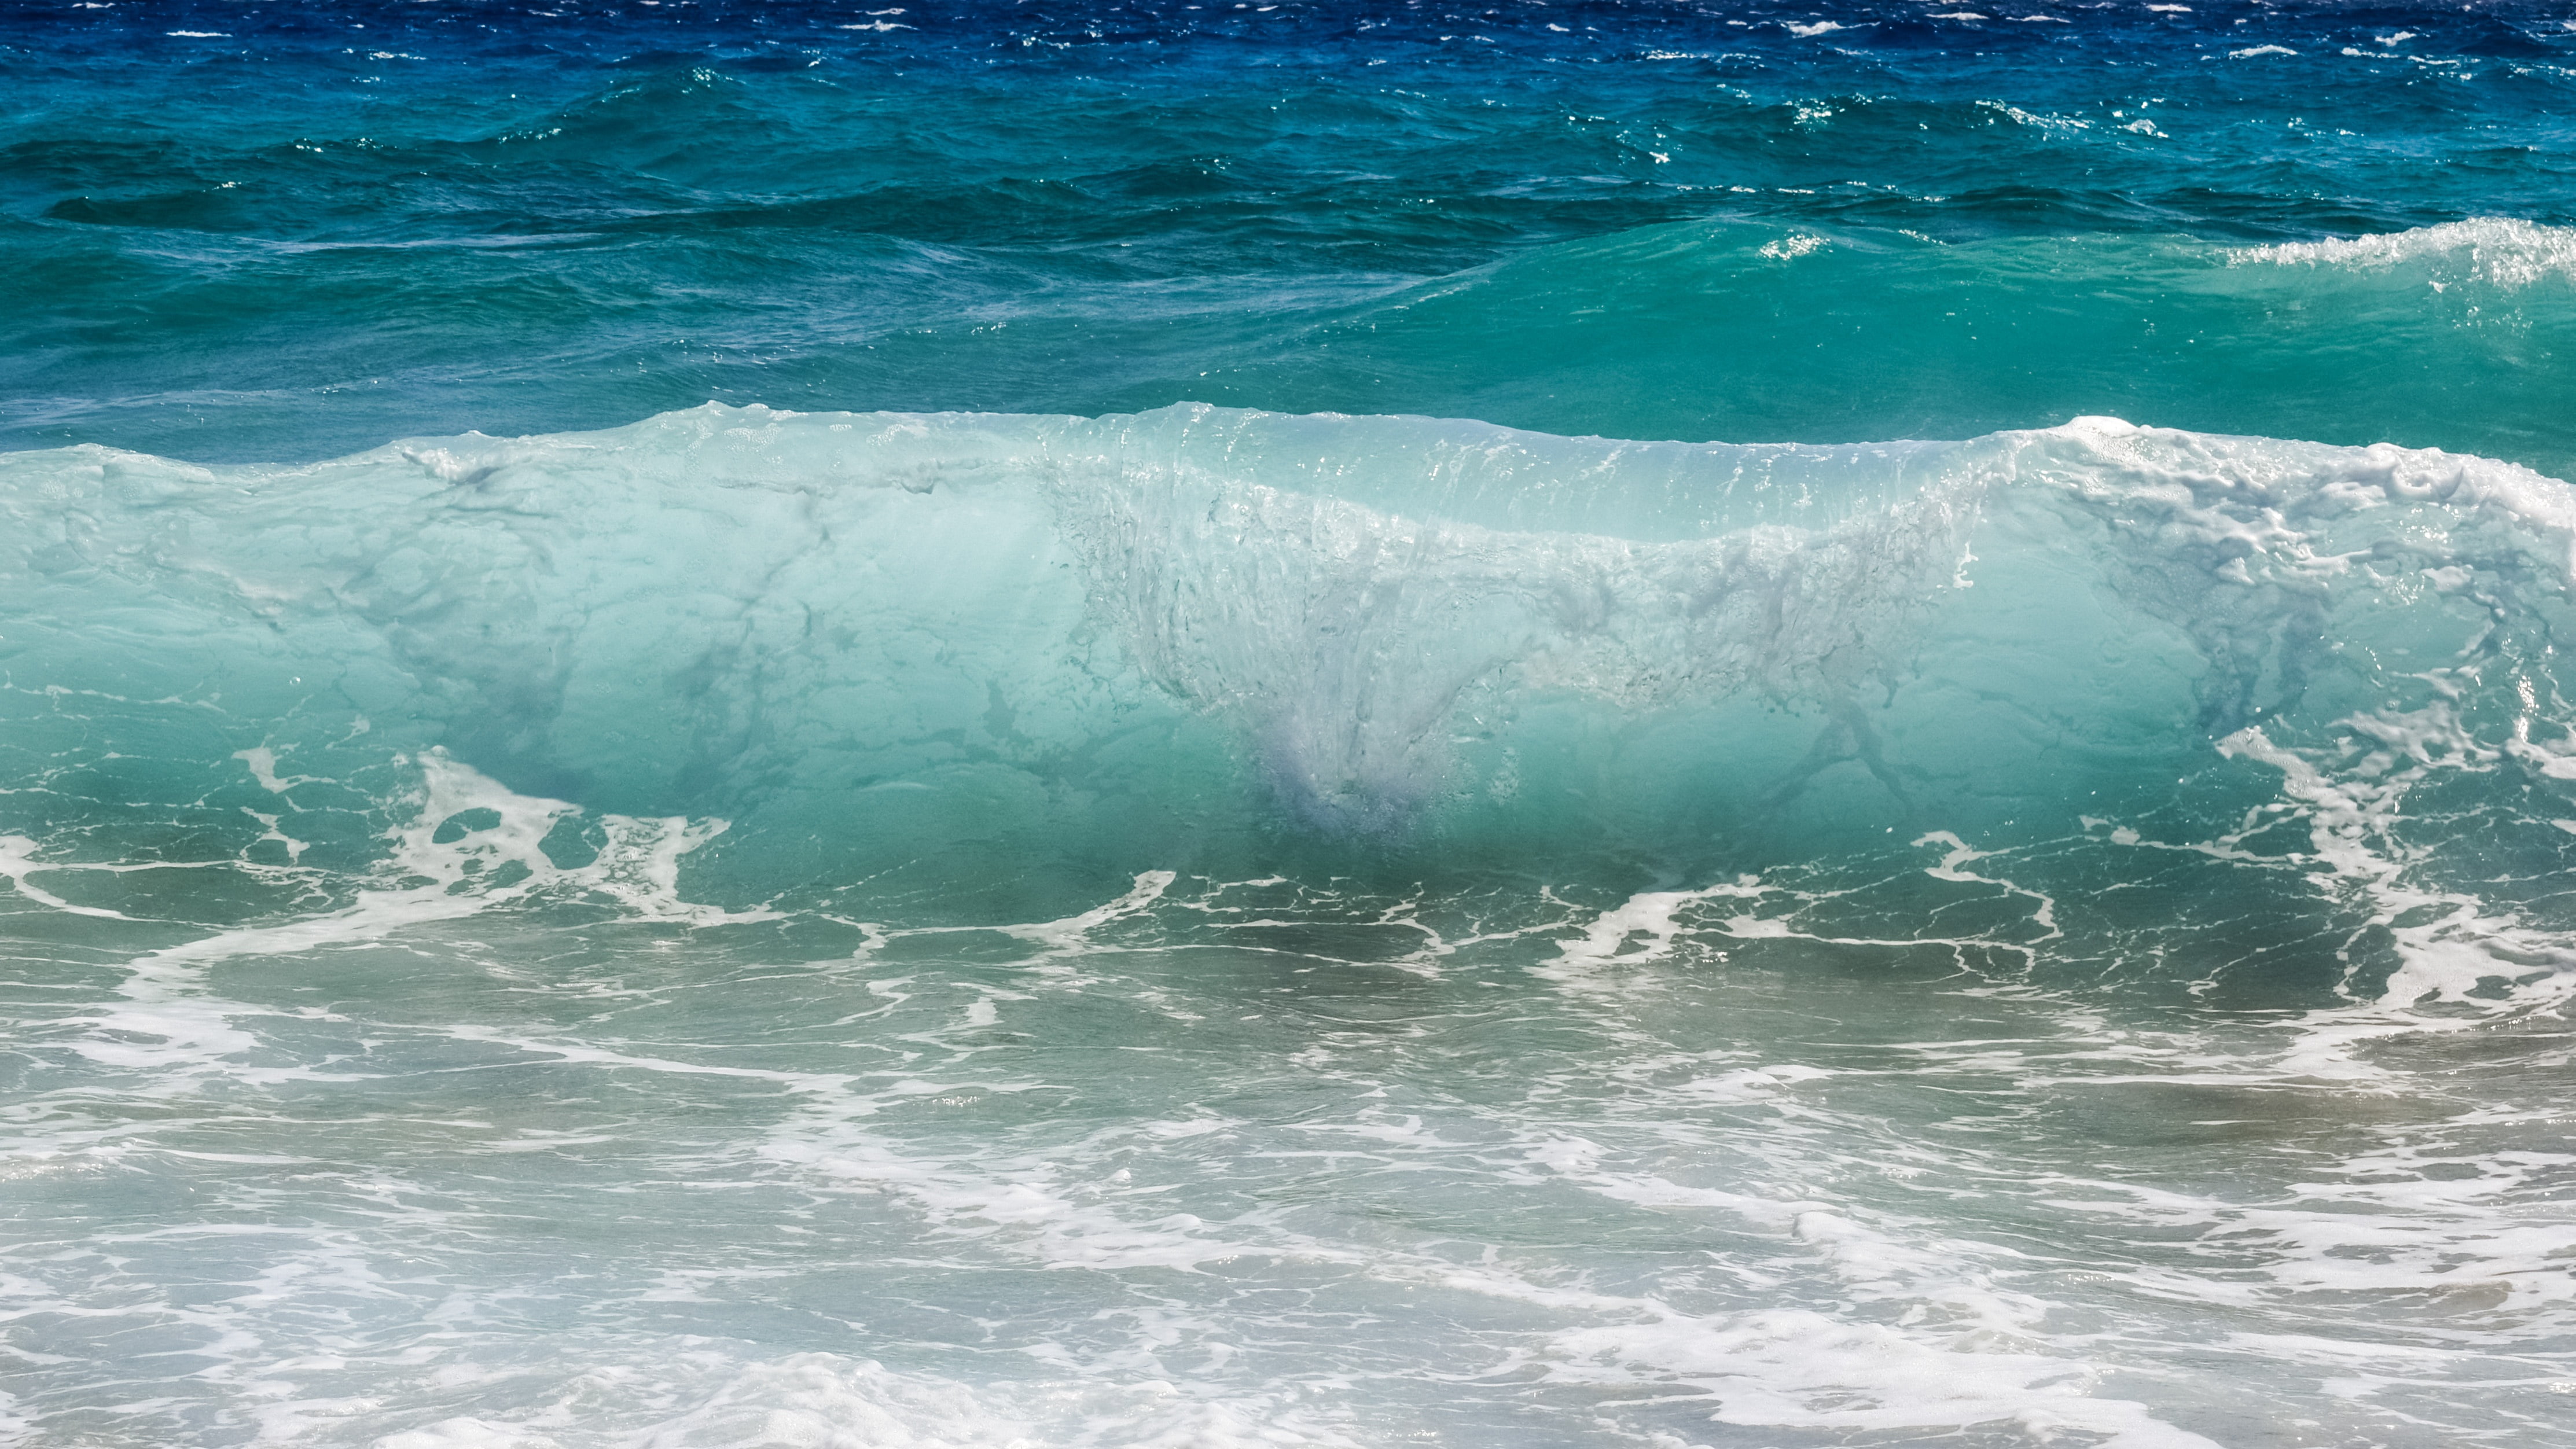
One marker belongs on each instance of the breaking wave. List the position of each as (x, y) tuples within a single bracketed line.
[(2502, 251), (986, 645)]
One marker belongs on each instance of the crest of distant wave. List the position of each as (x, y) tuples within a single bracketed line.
[(2503, 251)]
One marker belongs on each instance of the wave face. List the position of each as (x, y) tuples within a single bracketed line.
[(1196, 633)]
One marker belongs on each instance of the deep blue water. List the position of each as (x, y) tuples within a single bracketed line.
[(290, 231), (888, 726)]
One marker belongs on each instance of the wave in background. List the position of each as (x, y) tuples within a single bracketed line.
[(1643, 222)]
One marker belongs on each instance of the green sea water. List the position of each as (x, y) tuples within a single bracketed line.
[(1157, 725)]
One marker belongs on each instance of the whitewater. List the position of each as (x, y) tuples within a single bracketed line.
[(808, 726), (1269, 920)]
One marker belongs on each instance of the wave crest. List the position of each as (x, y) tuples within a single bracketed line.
[(2502, 251)]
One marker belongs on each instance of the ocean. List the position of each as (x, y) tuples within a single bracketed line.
[(944, 726)]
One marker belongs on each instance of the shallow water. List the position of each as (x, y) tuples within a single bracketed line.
[(808, 725)]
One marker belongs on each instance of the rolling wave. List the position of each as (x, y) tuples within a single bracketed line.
[(882, 637)]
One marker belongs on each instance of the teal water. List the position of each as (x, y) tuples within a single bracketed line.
[(1281, 725)]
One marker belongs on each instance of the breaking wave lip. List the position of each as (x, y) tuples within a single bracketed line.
[(2502, 251)]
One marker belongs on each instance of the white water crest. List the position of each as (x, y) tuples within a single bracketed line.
[(2503, 251)]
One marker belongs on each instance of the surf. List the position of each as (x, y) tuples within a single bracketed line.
[(1054, 651)]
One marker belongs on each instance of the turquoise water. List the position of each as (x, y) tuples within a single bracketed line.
[(1286, 725)]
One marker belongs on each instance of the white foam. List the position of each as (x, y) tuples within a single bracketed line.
[(2044, 911), (263, 768), (2461, 962), (1651, 914), (19, 859), (2020, 117), (1797, 1369), (1072, 931), (165, 1019), (2504, 251), (830, 1402), (465, 1432)]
